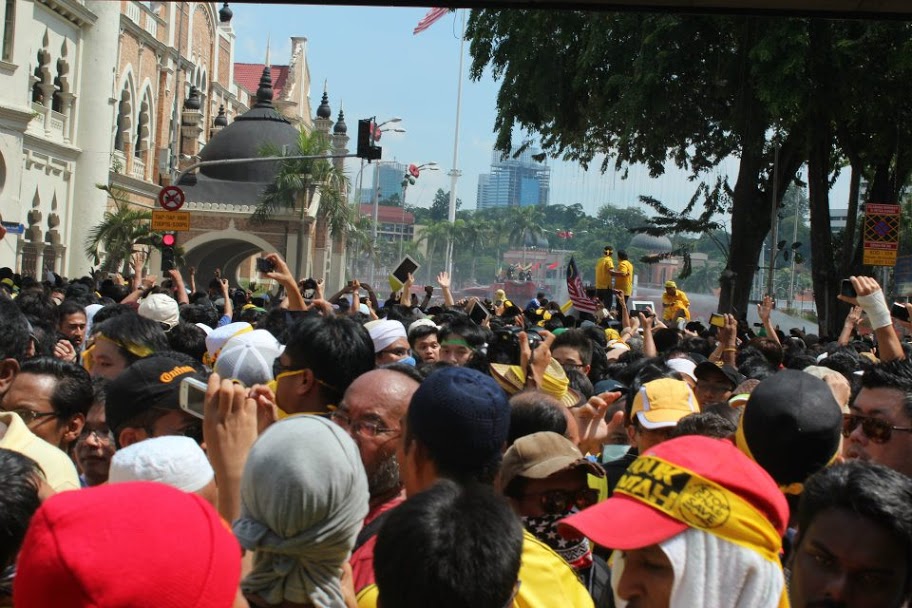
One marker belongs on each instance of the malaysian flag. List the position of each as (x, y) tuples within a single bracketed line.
[(576, 291), (428, 20)]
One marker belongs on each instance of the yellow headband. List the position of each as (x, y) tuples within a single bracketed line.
[(700, 503)]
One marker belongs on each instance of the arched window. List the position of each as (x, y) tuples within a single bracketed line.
[(124, 120), (144, 125)]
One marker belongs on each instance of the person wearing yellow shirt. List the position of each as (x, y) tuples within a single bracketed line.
[(674, 303), (604, 268), (623, 276)]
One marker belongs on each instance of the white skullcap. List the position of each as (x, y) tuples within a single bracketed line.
[(422, 323), (220, 335), (206, 329), (384, 332), (248, 357), (683, 366), (171, 459), (160, 307)]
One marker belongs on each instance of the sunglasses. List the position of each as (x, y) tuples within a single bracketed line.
[(558, 502), (875, 429)]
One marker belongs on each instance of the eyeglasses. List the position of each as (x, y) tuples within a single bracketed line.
[(396, 352), (713, 388), (568, 365), (558, 502), (29, 416), (875, 429), (365, 428), (103, 437), (194, 432)]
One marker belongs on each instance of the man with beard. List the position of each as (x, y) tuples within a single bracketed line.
[(370, 411), (854, 542)]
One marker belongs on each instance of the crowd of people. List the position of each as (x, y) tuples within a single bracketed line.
[(166, 444)]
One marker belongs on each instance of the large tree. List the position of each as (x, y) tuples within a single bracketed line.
[(659, 90)]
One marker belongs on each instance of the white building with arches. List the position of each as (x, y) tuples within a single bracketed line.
[(93, 92)]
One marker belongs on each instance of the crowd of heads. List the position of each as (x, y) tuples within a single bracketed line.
[(165, 447)]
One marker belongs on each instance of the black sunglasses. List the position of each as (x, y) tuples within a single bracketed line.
[(558, 502), (875, 429)]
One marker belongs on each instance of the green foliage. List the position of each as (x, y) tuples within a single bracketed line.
[(111, 243), (297, 181)]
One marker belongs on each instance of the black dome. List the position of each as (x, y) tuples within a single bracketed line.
[(245, 138), (324, 111), (340, 128), (225, 14)]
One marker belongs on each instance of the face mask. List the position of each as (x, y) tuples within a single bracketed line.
[(410, 360), (575, 552)]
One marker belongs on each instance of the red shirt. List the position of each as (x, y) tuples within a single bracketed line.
[(362, 560)]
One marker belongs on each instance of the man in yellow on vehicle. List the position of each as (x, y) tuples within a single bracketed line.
[(675, 304), (604, 269), (623, 276)]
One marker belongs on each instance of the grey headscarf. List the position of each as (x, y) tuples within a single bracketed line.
[(303, 499)]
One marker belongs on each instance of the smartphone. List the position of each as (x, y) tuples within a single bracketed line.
[(899, 311), (717, 319), (264, 265), (192, 396), (847, 289), (479, 313)]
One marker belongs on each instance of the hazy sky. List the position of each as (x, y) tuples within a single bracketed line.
[(375, 66)]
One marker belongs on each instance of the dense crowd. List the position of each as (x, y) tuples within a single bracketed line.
[(173, 444)]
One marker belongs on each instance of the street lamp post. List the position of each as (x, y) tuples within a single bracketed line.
[(411, 174), (375, 201)]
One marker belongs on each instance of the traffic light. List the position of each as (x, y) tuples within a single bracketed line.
[(367, 147), (168, 240)]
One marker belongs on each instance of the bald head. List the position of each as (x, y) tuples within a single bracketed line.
[(371, 411)]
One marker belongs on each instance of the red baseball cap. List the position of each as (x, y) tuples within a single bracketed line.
[(625, 522), (127, 545)]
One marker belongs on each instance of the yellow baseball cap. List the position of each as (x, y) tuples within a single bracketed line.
[(661, 403)]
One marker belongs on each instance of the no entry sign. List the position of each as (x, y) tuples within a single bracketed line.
[(171, 198)]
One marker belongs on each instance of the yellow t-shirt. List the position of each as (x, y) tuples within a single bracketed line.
[(603, 270), (546, 581), (624, 284), (675, 303)]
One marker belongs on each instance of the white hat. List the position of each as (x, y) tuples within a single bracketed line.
[(384, 332), (683, 366), (171, 459), (206, 329), (422, 323), (160, 307), (216, 340), (248, 357)]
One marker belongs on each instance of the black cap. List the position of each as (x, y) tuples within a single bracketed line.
[(153, 382), (729, 373), (791, 427)]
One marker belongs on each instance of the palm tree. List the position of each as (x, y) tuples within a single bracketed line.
[(435, 236), (360, 243), (476, 235), (111, 243), (297, 181), (525, 223)]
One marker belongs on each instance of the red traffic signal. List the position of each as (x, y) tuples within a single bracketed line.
[(168, 239)]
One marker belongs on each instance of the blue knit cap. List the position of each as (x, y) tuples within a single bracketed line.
[(462, 416)]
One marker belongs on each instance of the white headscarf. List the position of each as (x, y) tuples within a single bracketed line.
[(711, 571), (303, 499), (384, 332)]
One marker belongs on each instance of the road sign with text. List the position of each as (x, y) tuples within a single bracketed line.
[(881, 234), (173, 221)]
